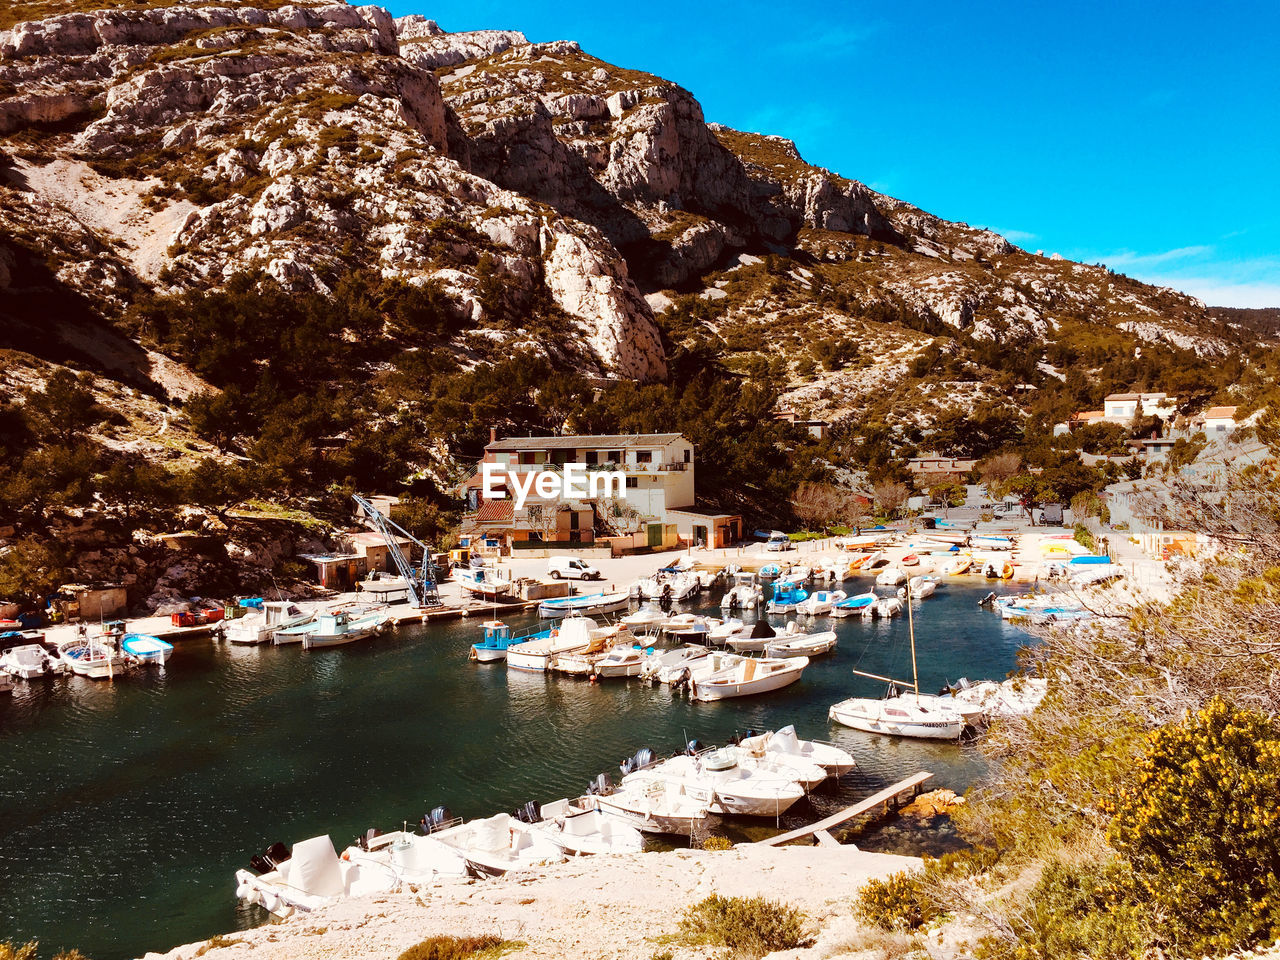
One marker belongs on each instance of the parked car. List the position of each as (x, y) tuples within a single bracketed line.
[(571, 568), (777, 541)]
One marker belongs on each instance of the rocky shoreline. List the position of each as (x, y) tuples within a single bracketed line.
[(616, 907)]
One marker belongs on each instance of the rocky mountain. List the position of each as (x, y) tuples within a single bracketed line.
[(168, 147)]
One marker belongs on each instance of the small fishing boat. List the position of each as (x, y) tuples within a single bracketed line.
[(93, 658), (573, 635), (887, 607), (723, 632), (336, 628), (960, 566), (795, 576), (646, 618), (918, 588), (786, 597), (31, 660), (996, 570), (856, 563), (748, 678), (891, 577), (669, 583), (858, 605), (498, 845), (311, 877), (497, 637), (753, 641), (725, 787), (785, 742), (745, 594), (623, 661), (580, 830), (989, 542), (146, 649), (584, 605), (802, 645), (256, 628), (875, 561), (820, 602), (911, 560), (771, 571), (689, 626), (652, 805), (482, 580), (673, 665)]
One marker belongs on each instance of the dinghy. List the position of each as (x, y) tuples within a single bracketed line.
[(146, 649)]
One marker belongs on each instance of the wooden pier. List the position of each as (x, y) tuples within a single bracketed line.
[(889, 796)]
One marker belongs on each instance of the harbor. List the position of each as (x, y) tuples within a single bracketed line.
[(190, 772)]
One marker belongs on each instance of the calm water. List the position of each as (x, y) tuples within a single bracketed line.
[(125, 807)]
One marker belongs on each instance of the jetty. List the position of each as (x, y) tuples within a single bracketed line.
[(889, 796)]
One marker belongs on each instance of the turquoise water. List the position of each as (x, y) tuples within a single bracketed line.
[(126, 807)]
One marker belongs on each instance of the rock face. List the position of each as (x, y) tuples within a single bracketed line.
[(309, 140)]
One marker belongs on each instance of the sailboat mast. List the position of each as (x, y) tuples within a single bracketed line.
[(911, 629)]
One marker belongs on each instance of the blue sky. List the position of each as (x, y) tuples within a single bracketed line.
[(1143, 136)]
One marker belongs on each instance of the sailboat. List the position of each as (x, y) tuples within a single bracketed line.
[(901, 714)]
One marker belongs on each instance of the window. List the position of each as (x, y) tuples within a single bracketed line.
[(633, 483), (644, 456), (591, 457), (613, 456), (688, 456), (573, 520)]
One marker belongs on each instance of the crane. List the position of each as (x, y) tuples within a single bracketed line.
[(422, 582)]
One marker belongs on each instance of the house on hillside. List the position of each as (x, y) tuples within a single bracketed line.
[(1217, 421), (817, 429), (657, 491), (1123, 407), (934, 468)]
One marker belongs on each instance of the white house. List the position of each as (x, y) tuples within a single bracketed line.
[(1121, 407), (1219, 421)]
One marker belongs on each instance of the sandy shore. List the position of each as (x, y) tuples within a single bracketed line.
[(599, 907)]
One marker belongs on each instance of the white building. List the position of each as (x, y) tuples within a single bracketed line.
[(1122, 407), (1219, 421)]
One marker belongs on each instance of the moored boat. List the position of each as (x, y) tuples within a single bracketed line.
[(747, 678), (31, 660), (146, 649), (336, 628), (584, 605), (93, 658)]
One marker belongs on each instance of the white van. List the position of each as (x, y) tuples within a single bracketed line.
[(571, 568)]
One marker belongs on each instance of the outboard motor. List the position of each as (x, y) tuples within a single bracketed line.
[(601, 786), (693, 747), (528, 813), (436, 819), (988, 599), (644, 756), (271, 858), (751, 732), (369, 836)]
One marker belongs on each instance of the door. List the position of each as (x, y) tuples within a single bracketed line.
[(655, 534), (700, 534)]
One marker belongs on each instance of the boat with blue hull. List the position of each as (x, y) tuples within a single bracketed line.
[(146, 649), (498, 637)]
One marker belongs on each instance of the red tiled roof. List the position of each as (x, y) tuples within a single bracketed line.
[(495, 511), (1220, 413)]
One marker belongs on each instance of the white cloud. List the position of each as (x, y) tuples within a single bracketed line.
[(1217, 292)]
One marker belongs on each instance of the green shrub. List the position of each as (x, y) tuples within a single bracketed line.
[(1199, 824), (455, 948), (750, 927), (904, 900), (1077, 910)]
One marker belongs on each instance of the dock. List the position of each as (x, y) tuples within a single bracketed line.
[(887, 797)]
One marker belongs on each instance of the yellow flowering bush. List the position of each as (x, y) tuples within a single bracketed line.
[(1200, 824)]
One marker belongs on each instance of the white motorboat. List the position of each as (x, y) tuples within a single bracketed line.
[(256, 628), (887, 607), (761, 634), (859, 605), (145, 649), (672, 665), (874, 561), (574, 635), (688, 625), (725, 631), (802, 645), (785, 742), (626, 661), (820, 602), (1097, 573), (645, 619), (899, 716), (891, 577), (650, 805), (584, 605), (748, 678), (751, 754), (482, 580), (93, 658), (582, 830), (989, 542), (1015, 697), (786, 598), (499, 845), (745, 594), (313, 876), (714, 662), (31, 660), (409, 857), (715, 778), (836, 569), (338, 627), (670, 583), (918, 588), (796, 576)]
